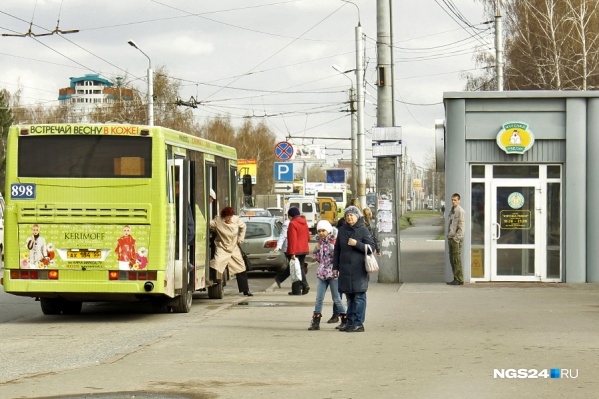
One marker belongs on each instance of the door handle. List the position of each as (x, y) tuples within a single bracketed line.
[(497, 231)]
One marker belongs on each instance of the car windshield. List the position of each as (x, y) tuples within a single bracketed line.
[(276, 212), (257, 230)]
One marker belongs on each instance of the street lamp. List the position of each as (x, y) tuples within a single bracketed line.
[(150, 86), (354, 129)]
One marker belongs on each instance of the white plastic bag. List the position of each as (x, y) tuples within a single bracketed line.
[(371, 263), (295, 270)]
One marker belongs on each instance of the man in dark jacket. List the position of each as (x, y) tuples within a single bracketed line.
[(349, 263)]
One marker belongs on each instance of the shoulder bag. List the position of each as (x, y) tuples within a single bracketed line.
[(371, 263), (246, 260)]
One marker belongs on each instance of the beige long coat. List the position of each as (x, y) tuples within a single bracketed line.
[(226, 240)]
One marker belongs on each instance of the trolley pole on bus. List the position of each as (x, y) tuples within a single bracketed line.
[(150, 85)]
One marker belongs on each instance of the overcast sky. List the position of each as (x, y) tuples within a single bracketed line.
[(267, 59)]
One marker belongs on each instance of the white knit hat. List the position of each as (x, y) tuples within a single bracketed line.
[(324, 225)]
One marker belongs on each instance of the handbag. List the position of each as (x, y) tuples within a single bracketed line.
[(295, 270), (246, 260), (371, 263)]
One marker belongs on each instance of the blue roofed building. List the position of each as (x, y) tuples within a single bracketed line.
[(90, 91)]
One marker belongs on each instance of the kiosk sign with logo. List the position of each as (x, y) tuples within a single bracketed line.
[(515, 138)]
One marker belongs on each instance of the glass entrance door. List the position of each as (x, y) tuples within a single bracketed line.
[(518, 247)]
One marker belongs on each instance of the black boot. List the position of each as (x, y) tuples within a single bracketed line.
[(334, 319), (343, 325), (296, 288), (315, 324)]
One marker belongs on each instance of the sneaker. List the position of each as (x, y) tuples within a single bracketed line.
[(355, 329)]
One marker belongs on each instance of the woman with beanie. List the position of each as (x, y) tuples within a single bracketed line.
[(349, 260), (323, 254), (229, 232)]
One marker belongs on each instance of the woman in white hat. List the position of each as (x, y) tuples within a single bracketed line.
[(323, 254)]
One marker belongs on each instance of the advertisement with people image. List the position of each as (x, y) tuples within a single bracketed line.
[(50, 246)]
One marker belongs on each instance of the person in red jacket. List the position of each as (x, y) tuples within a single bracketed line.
[(298, 237)]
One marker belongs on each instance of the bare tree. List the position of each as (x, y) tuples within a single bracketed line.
[(252, 141), (6, 120), (549, 45), (583, 15), (219, 129), (258, 142), (316, 174)]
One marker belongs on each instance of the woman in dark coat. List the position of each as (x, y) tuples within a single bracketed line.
[(349, 263)]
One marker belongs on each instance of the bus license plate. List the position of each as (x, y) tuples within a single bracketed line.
[(84, 254)]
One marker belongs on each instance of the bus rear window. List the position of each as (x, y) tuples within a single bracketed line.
[(85, 156)]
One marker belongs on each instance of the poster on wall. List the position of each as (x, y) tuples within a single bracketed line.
[(247, 167)]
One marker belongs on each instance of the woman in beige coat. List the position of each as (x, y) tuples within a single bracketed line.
[(229, 233)]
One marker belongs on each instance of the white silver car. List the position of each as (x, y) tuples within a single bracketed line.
[(261, 237)]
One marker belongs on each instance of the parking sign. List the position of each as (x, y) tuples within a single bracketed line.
[(283, 171)]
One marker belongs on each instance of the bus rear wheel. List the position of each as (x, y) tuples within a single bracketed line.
[(51, 306), (182, 304), (71, 307), (56, 306)]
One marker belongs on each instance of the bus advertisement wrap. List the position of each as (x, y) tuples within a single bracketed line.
[(64, 246)]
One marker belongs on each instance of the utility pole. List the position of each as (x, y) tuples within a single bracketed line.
[(360, 132), (388, 159), (354, 131), (498, 49)]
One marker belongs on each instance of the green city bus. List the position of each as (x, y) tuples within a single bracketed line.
[(100, 212)]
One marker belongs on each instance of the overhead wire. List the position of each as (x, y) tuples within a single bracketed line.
[(455, 15), (217, 106), (281, 49)]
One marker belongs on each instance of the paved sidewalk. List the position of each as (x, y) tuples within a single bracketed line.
[(423, 339)]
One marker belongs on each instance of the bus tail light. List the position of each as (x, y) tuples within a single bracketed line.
[(132, 275), (33, 274)]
